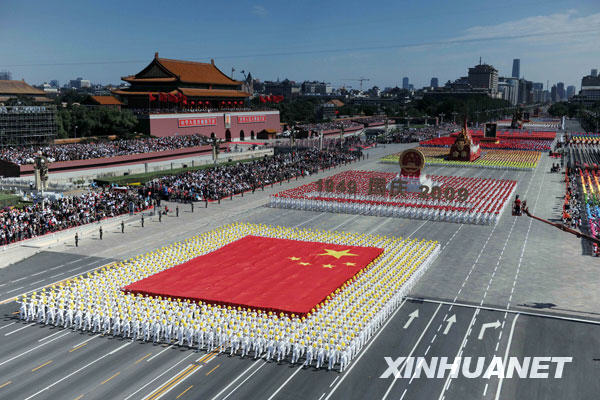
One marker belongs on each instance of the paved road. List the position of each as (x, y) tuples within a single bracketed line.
[(514, 273)]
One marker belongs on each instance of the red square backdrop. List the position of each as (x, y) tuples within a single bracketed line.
[(259, 272)]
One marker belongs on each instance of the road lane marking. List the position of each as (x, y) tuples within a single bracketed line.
[(14, 290), (17, 330), (336, 378), (510, 336), (54, 276), (182, 393), (36, 282), (77, 348), (43, 365), (143, 358), (6, 326), (284, 383), (32, 349), (79, 370), (85, 341), (512, 311), (106, 380), (48, 337), (365, 350), (18, 280), (210, 372), (173, 382), (387, 392), (5, 384), (262, 364), (158, 377), (54, 283), (460, 350), (159, 353)]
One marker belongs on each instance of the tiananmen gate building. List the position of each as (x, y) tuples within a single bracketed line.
[(176, 97)]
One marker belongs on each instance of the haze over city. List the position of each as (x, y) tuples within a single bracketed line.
[(384, 42)]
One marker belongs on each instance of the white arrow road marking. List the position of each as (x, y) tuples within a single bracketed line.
[(411, 317), (451, 321), (494, 325)]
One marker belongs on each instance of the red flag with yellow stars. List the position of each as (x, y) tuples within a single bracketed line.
[(272, 274)]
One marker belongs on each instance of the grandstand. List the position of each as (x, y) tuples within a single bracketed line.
[(27, 125)]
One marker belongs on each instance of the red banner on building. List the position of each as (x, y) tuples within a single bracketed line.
[(190, 122), (251, 119)]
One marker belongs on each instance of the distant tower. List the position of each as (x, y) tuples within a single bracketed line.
[(516, 72), (434, 82), (405, 83), (594, 72)]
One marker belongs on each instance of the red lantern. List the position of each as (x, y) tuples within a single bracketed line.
[(193, 102), (207, 102), (223, 102), (235, 102), (229, 102)]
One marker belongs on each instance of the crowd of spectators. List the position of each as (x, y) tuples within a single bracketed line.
[(206, 184), (371, 121), (571, 215), (55, 215), (330, 126), (411, 135), (227, 180), (82, 151)]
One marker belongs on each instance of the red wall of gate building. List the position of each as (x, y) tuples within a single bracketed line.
[(250, 122)]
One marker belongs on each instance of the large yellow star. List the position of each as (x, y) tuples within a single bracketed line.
[(328, 266), (294, 258), (304, 263), (337, 254)]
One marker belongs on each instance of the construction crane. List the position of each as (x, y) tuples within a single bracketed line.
[(361, 80)]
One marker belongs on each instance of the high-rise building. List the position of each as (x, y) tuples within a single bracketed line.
[(594, 72), (484, 76), (405, 83), (560, 91), (554, 94), (516, 71), (434, 82), (590, 90), (5, 76), (525, 91), (509, 89), (54, 83), (570, 91), (537, 89)]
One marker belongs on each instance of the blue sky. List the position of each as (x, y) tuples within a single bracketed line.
[(556, 40)]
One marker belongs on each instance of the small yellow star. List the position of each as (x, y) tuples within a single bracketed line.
[(304, 263), (350, 264), (294, 258), (328, 266), (337, 254)]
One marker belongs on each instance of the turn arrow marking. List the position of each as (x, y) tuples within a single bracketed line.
[(494, 325)]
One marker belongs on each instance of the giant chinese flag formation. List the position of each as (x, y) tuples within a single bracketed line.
[(272, 274)]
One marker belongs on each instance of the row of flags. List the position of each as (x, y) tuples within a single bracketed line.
[(271, 99), (168, 98), (180, 98)]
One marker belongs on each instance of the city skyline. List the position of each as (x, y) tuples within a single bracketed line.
[(546, 37)]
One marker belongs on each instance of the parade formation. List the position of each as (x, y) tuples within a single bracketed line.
[(451, 199), (330, 335)]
